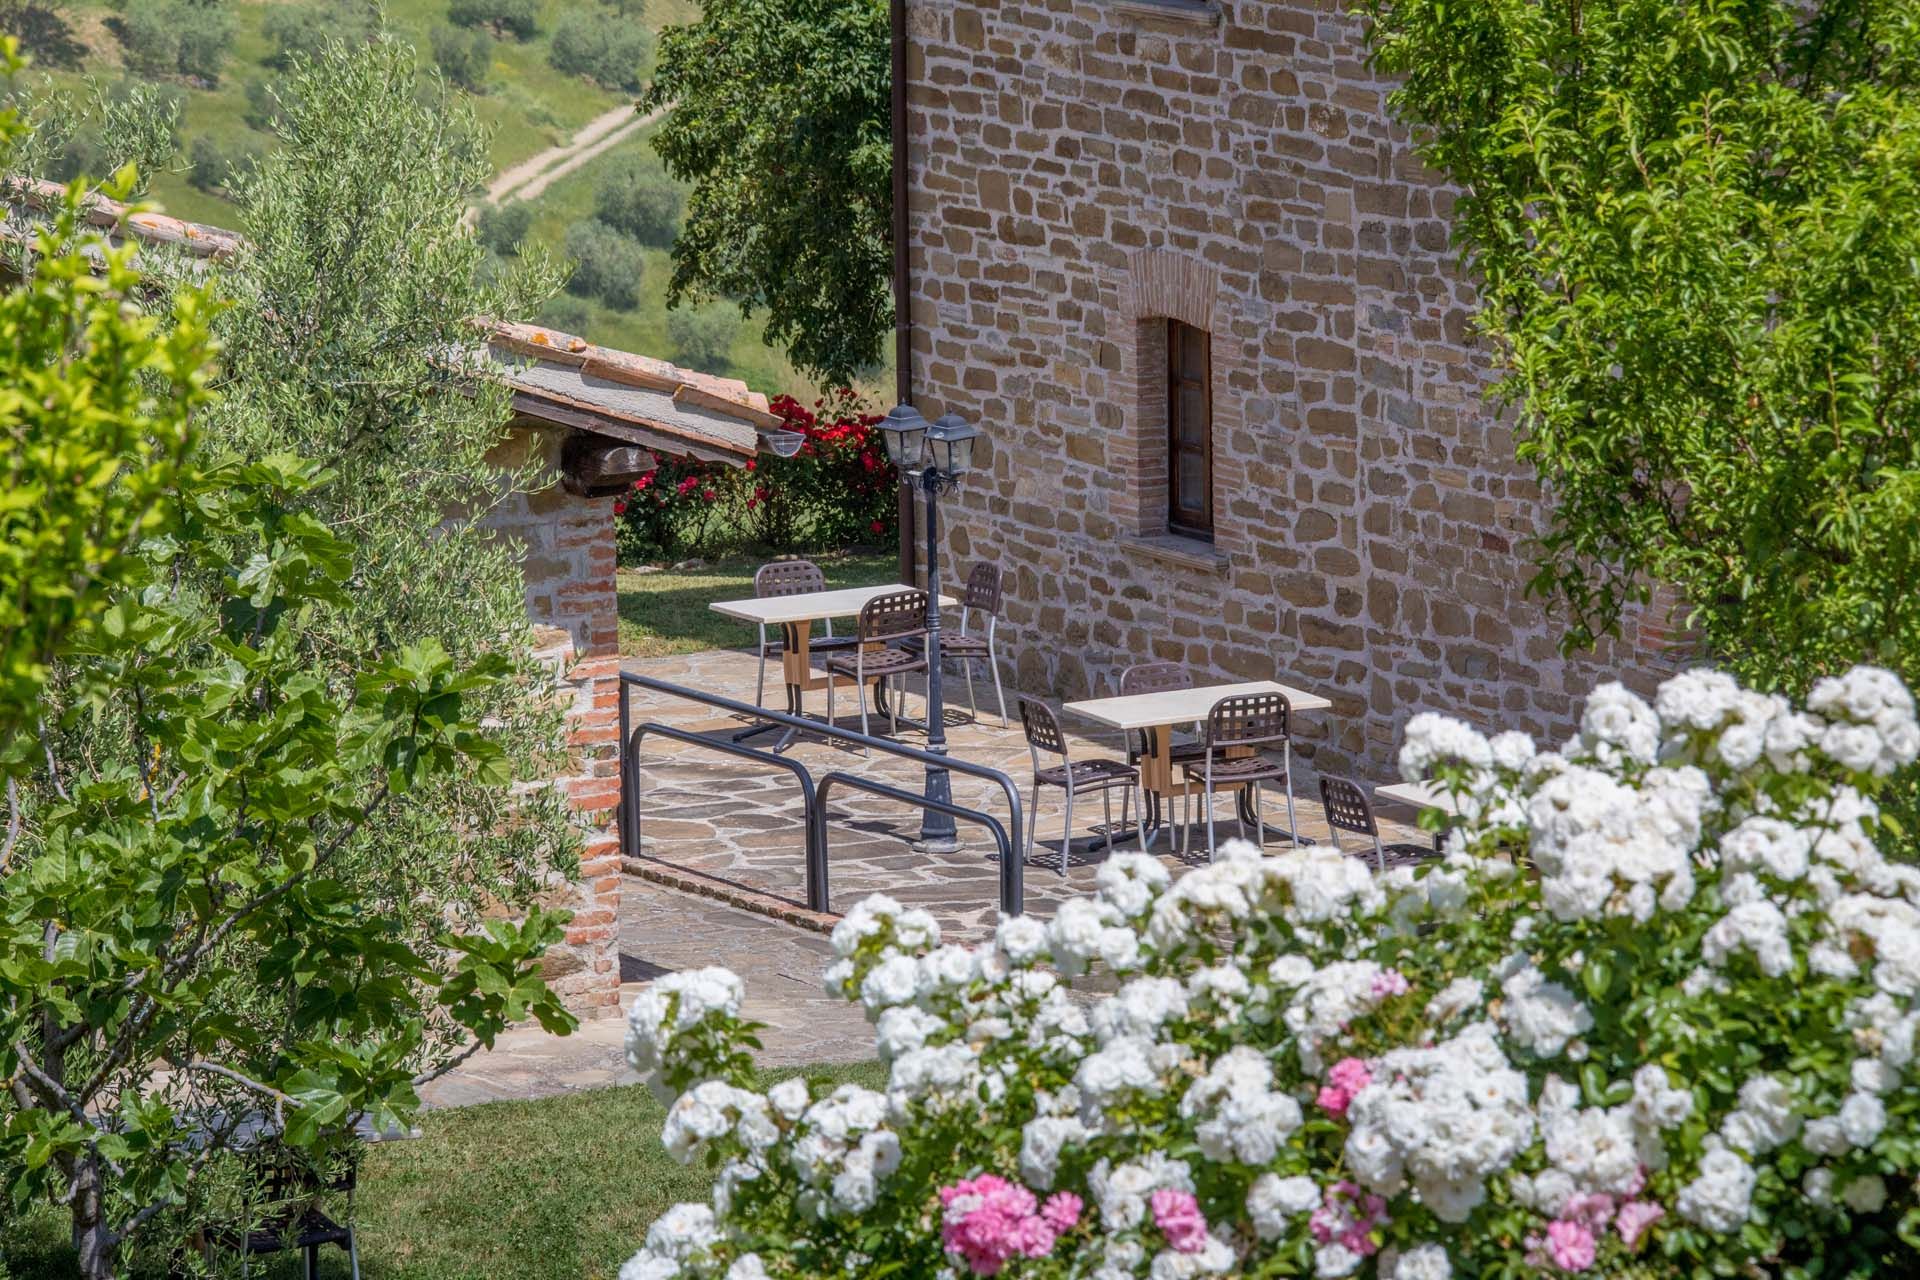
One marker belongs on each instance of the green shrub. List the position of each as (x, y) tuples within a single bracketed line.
[(640, 199), (607, 50), (567, 314), (464, 56), (606, 264), (506, 17), (702, 337), (264, 111), (214, 168), (502, 227), (148, 43), (204, 33), (302, 30)]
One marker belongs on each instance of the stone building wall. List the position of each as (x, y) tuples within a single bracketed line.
[(1082, 170), (568, 548)]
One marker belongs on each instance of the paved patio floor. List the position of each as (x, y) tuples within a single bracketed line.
[(735, 825), (733, 828)]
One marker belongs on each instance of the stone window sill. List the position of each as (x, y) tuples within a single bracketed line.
[(1187, 553), (1198, 13)]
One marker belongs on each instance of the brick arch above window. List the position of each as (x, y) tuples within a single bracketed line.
[(1174, 285)]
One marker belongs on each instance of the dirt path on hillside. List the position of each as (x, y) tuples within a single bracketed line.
[(526, 180)]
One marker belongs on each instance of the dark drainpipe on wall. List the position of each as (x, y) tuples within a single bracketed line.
[(902, 278)]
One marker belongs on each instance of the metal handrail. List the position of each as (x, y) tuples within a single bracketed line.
[(1012, 879), (987, 820), (809, 795)]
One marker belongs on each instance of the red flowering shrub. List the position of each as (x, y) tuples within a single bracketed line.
[(838, 490)]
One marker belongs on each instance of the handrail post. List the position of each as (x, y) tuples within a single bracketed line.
[(627, 812)]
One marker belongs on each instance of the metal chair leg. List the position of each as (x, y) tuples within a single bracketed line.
[(1209, 803), (1379, 855), (1066, 837), (966, 665), (1259, 827), (313, 1262), (353, 1253), (1293, 825), (1033, 825), (999, 695), (1106, 807), (760, 685)]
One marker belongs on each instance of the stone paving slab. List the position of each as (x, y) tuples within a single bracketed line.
[(738, 824), (662, 931)]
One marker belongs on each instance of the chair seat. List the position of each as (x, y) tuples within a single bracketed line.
[(957, 645), (815, 644), (875, 662), (1179, 753), (1253, 768), (305, 1231), (1088, 775)]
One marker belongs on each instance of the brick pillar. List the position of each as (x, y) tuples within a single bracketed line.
[(567, 549)]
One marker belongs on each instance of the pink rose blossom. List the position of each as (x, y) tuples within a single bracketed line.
[(1570, 1245), (1592, 1210), (1635, 1217), (1349, 1217), (1348, 1077), (1062, 1211), (1389, 982), (1178, 1216), (987, 1221)]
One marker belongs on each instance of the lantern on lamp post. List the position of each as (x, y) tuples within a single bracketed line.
[(933, 456)]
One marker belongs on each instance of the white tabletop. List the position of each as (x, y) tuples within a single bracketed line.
[(1421, 795), (812, 605), (1183, 706)]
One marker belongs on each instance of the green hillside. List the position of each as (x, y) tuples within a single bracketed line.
[(528, 106)]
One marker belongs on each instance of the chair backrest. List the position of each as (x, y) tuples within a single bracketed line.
[(1154, 677), (896, 615), (788, 578), (1248, 720), (983, 589), (1042, 727), (1347, 807)]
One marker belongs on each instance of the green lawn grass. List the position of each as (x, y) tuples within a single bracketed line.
[(559, 1189), (666, 613)]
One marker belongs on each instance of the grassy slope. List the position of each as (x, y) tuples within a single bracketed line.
[(666, 613), (560, 1189), (528, 107)]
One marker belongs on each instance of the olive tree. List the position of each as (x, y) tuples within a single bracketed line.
[(194, 772)]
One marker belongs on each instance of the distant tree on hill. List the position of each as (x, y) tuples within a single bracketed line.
[(567, 314), (517, 18), (463, 56), (703, 337), (214, 168), (502, 227), (176, 37), (638, 197), (303, 30), (606, 264), (610, 51), (779, 121)]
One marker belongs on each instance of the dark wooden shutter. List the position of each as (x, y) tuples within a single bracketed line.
[(1189, 432)]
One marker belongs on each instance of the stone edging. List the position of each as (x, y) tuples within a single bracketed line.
[(733, 895)]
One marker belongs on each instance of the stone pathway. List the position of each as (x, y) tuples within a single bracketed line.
[(662, 931), (732, 827)]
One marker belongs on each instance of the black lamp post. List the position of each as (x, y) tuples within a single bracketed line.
[(933, 456)]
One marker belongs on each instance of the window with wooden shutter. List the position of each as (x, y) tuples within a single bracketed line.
[(1189, 432)]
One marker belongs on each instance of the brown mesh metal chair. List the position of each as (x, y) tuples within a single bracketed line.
[(1254, 722), (898, 615), (968, 645), (1075, 777), (1348, 809), (1157, 677), (787, 578)]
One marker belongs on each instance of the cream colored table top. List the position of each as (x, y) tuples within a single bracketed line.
[(1183, 706), (810, 606), (1421, 795)]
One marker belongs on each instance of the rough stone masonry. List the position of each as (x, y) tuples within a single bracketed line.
[(1083, 170)]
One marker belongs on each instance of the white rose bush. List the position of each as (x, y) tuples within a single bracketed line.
[(1653, 1015)]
